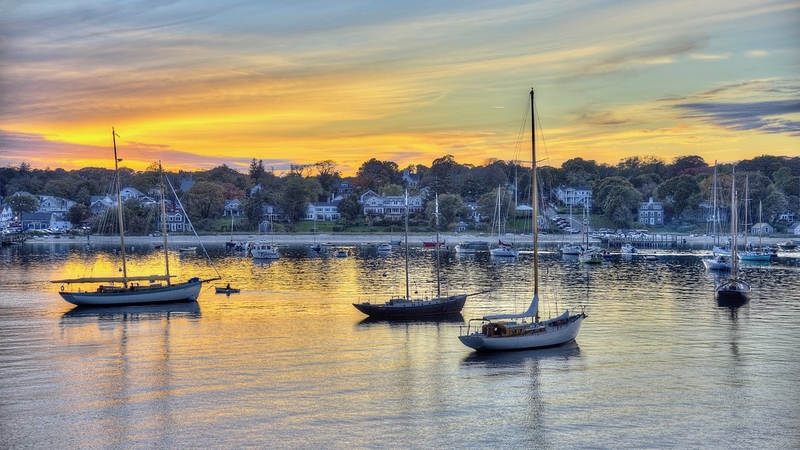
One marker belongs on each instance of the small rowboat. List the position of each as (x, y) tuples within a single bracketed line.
[(227, 290)]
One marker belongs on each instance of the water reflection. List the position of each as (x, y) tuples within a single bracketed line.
[(522, 358), (136, 312)]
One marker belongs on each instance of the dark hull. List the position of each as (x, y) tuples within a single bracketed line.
[(403, 309)]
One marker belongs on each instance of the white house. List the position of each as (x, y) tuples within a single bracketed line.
[(794, 228), (651, 213), (575, 196), (389, 206), (323, 211)]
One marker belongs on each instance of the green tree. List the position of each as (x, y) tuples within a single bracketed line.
[(78, 213), (618, 200), (254, 208), (374, 173), (679, 194), (451, 208), (22, 203), (297, 192), (349, 207), (204, 200)]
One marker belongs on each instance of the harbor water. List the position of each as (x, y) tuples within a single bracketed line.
[(290, 363)]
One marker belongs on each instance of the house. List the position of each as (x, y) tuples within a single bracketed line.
[(762, 229), (651, 213), (344, 189), (176, 222), (411, 180), (129, 193), (794, 228), (36, 220), (6, 216), (461, 227), (323, 211), (273, 213), (472, 211), (391, 207), (48, 203), (100, 203), (575, 196), (232, 208)]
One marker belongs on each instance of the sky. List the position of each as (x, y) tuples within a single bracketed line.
[(197, 84)]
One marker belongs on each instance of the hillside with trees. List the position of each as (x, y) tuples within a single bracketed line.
[(684, 186)]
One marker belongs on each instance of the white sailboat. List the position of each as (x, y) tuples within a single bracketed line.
[(733, 290), (571, 248), (503, 249), (497, 332), (130, 289)]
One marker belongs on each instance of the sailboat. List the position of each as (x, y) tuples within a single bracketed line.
[(570, 248), (265, 250), (503, 249), (720, 257), (733, 289), (498, 332), (749, 254), (129, 289), (408, 308)]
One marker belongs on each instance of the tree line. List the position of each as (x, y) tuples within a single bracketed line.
[(683, 185)]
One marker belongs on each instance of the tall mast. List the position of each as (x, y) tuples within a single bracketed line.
[(119, 211), (734, 226), (534, 201), (406, 225), (164, 221), (438, 281), (715, 211)]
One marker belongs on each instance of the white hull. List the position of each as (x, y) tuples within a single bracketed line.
[(146, 295), (552, 336), (571, 249), (504, 252), (721, 262)]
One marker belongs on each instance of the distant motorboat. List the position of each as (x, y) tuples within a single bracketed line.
[(628, 248)]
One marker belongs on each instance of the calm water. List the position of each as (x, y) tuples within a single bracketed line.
[(289, 363)]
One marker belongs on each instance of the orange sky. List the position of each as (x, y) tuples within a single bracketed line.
[(196, 86)]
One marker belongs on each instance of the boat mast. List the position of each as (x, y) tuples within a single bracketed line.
[(716, 211), (438, 281), (535, 202), (734, 226), (164, 221), (119, 211), (406, 229)]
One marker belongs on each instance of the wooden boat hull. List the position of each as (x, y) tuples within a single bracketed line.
[(413, 309), (137, 295), (553, 335)]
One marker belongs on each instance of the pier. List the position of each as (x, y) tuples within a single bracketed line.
[(13, 238), (645, 241)]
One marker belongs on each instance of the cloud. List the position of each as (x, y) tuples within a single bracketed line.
[(765, 116)]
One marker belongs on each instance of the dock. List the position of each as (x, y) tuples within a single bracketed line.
[(13, 238)]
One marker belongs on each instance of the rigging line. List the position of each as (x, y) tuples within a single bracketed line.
[(205, 252)]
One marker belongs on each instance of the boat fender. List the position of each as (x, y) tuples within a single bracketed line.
[(62, 288), (194, 280)]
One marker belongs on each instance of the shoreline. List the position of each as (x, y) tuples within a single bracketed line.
[(348, 239)]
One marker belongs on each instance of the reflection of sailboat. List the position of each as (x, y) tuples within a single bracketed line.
[(733, 289), (130, 291), (408, 308), (524, 331), (136, 312)]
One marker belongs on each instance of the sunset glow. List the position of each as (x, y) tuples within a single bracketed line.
[(201, 84)]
